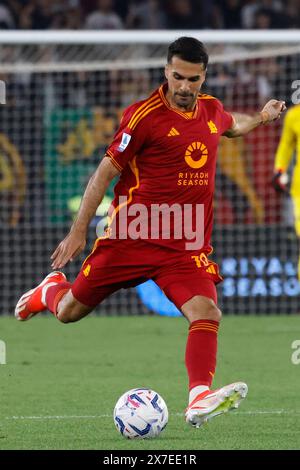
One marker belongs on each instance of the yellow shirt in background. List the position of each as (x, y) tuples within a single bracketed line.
[(288, 145)]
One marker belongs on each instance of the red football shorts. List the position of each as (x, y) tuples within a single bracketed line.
[(117, 264)]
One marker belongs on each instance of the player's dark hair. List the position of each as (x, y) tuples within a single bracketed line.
[(188, 49)]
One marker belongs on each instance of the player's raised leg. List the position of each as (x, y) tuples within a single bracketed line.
[(33, 301), (53, 293), (68, 309)]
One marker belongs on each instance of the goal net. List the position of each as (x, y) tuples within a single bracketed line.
[(64, 95)]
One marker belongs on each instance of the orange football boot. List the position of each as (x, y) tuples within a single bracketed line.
[(33, 301), (212, 403)]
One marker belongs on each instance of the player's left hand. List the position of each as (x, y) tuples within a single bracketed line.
[(70, 247), (272, 110)]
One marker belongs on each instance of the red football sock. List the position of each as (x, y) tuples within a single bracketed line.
[(54, 295), (201, 352)]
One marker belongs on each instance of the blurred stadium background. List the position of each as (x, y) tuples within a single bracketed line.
[(65, 92)]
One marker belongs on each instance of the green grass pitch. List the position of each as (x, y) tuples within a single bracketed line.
[(61, 382)]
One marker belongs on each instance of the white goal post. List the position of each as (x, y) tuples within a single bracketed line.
[(250, 36)]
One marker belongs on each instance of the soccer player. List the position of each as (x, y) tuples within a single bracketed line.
[(165, 153), (288, 145)]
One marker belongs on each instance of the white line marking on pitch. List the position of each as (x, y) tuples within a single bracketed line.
[(237, 413), (58, 417)]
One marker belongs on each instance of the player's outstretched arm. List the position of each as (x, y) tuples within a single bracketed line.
[(75, 241), (244, 123)]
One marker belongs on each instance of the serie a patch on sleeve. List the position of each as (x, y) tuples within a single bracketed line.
[(125, 141)]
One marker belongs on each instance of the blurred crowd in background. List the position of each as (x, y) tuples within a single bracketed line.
[(80, 108), (149, 14)]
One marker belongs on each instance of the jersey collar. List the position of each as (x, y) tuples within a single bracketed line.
[(162, 92)]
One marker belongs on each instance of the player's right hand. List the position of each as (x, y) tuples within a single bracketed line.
[(272, 110), (68, 249), (280, 182)]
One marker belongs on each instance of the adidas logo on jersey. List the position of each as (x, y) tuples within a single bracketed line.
[(211, 269), (173, 132), (86, 271)]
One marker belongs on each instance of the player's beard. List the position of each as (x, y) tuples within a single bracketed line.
[(185, 100)]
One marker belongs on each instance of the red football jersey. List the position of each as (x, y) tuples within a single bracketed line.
[(168, 157)]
